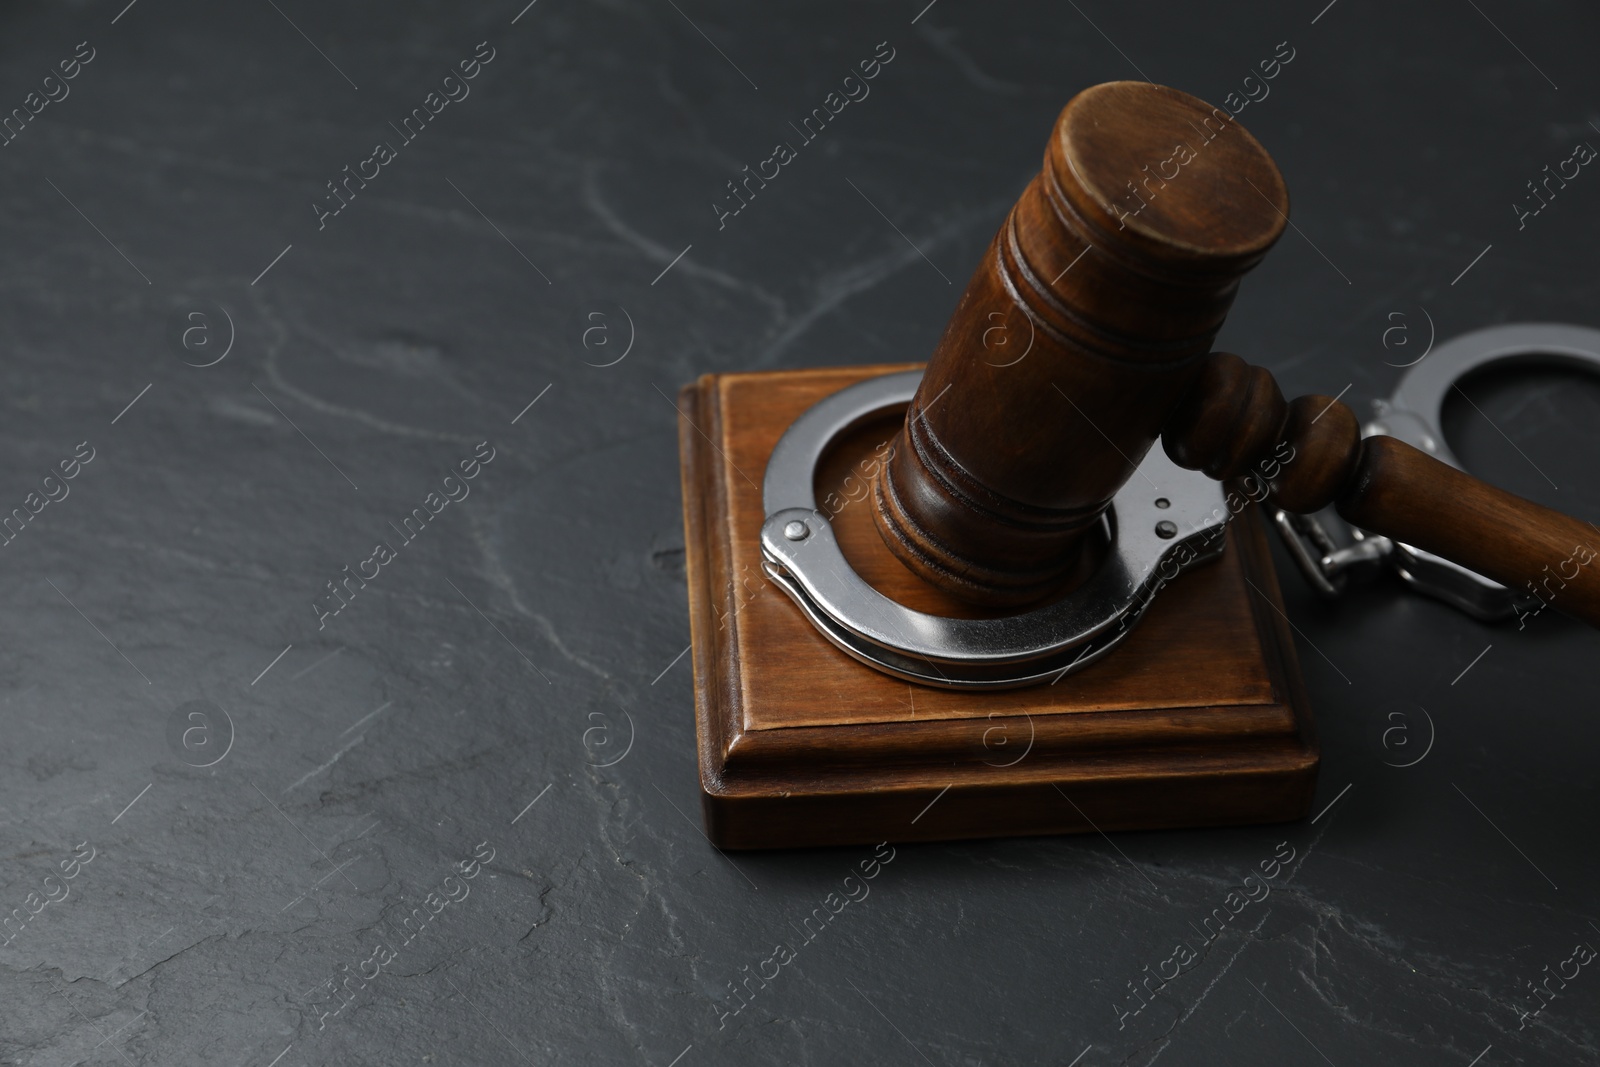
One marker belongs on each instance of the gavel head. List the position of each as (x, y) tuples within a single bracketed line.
[(1082, 328)]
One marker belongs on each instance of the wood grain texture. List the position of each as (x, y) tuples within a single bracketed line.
[(1198, 718), (1406, 494), (1233, 415), (1383, 485), (1325, 440), (1082, 327)]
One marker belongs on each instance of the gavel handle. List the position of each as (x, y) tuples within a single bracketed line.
[(1235, 423), (1405, 494)]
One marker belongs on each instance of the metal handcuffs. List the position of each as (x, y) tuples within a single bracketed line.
[(1163, 521), (1412, 415)]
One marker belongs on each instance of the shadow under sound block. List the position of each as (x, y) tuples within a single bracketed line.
[(1198, 718)]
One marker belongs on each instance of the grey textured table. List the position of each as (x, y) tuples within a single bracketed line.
[(454, 820)]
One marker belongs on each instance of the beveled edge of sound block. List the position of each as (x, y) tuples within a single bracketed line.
[(912, 793)]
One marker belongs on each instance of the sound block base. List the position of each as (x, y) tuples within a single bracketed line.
[(1199, 718)]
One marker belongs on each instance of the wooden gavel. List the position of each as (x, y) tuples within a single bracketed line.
[(1117, 265)]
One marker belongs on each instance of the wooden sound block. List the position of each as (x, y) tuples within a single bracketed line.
[(1199, 718)]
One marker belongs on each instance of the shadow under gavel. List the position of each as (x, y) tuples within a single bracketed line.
[(1117, 265)]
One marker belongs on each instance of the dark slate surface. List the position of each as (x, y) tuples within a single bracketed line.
[(525, 649)]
